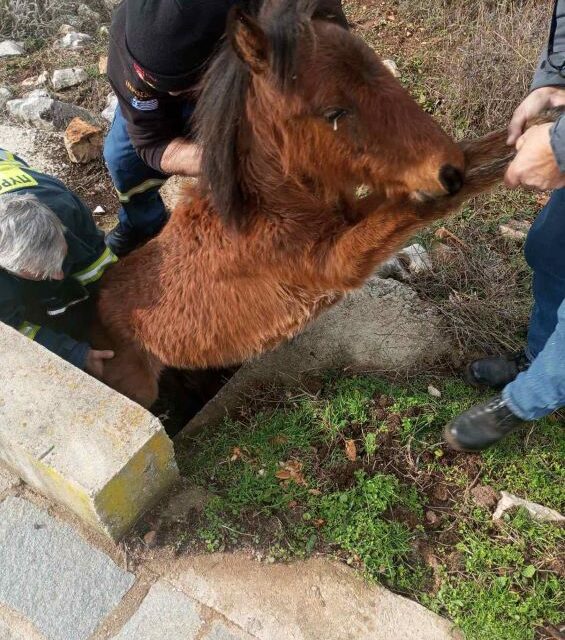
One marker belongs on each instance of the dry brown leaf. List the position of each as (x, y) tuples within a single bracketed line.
[(318, 523), (279, 440), (351, 450), (291, 470), (315, 492)]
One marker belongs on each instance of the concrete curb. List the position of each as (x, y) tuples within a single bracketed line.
[(78, 442)]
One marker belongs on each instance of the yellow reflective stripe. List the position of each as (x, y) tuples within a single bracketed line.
[(141, 188), (96, 270), (29, 330), (6, 155)]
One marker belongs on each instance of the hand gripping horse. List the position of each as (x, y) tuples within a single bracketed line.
[(295, 115)]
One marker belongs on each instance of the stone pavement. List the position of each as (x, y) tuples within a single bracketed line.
[(60, 581)]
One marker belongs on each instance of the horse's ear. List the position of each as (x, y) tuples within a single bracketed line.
[(248, 40)]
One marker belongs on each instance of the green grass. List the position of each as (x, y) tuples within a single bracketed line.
[(283, 484)]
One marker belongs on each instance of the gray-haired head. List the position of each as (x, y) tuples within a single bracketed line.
[(32, 238)]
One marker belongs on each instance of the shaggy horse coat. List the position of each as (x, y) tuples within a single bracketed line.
[(295, 115)]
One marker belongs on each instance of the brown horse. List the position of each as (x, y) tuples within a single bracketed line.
[(295, 115)]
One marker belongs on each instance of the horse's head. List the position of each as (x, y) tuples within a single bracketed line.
[(294, 91)]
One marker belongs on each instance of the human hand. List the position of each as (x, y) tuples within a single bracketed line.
[(95, 362), (535, 166), (532, 106)]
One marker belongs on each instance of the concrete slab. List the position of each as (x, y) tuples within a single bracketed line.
[(52, 577), (76, 440), (164, 613), (306, 601), (384, 326), (7, 633), (219, 631)]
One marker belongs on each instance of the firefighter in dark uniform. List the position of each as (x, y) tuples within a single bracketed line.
[(52, 257), (159, 51)]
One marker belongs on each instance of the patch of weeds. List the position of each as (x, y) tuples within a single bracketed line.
[(359, 471), (531, 467), (355, 520), (503, 590)]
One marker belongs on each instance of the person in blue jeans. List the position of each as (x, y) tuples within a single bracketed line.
[(531, 383)]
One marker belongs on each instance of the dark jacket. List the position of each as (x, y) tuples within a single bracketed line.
[(551, 73), (23, 303), (153, 117)]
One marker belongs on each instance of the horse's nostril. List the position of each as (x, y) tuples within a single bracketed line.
[(451, 179)]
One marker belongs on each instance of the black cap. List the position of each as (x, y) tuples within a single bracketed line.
[(172, 40)]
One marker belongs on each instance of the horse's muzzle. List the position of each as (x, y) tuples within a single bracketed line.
[(451, 179)]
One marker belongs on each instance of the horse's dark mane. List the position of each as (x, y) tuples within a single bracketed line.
[(220, 111)]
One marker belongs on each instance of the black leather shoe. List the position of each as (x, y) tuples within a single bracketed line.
[(496, 372), (122, 241), (481, 426)]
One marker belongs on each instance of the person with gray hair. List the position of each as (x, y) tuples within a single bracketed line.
[(52, 256)]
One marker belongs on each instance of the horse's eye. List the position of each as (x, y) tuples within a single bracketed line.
[(334, 114)]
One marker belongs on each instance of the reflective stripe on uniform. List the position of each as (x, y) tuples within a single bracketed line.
[(96, 270), (29, 330), (13, 174), (141, 188)]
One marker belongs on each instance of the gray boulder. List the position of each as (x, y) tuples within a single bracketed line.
[(5, 95), (65, 78), (74, 40), (88, 17), (45, 113), (382, 327), (10, 48)]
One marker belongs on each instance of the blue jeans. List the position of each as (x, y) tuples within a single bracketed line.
[(137, 184), (541, 389)]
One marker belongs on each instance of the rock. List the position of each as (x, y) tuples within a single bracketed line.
[(411, 261), (103, 32), (515, 230), (537, 511), (111, 106), (484, 496), (74, 40), (111, 4), (88, 17), (392, 67), (83, 141), (5, 96), (35, 81), (65, 78), (99, 210), (10, 48), (103, 65), (41, 111), (382, 327), (416, 259), (64, 29), (37, 93), (434, 391), (393, 268)]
